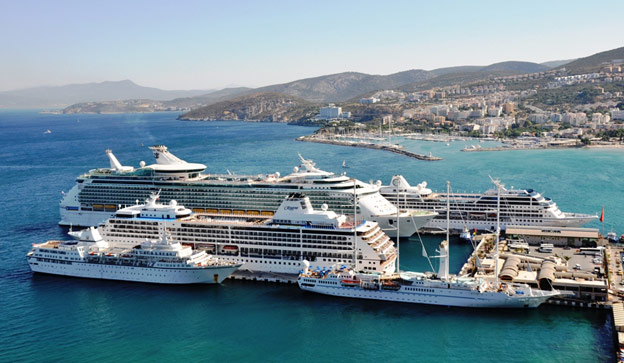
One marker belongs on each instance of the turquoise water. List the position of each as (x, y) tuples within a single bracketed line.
[(47, 318)]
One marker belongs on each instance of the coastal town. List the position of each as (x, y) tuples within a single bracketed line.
[(539, 110)]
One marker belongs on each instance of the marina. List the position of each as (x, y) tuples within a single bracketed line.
[(271, 301)]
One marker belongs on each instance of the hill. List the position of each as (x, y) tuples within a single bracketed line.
[(593, 63), (266, 106), (62, 96), (557, 63), (343, 86)]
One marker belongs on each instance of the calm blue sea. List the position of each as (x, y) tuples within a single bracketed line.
[(47, 318)]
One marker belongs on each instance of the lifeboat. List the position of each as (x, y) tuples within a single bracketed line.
[(110, 207), (239, 212), (92, 253), (109, 254), (199, 210), (98, 206), (347, 282), (391, 285), (230, 248), (267, 213), (211, 211), (253, 212), (225, 211)]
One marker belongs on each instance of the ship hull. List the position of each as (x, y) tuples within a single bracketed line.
[(204, 275)]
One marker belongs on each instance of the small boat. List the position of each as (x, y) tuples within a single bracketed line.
[(230, 248), (351, 282), (344, 164), (465, 234), (612, 237), (47, 131)]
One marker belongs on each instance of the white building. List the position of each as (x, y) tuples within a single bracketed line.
[(617, 115), (494, 111), (330, 112), (369, 100)]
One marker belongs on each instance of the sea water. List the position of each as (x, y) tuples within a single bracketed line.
[(50, 318)]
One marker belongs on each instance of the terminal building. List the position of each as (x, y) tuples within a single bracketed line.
[(557, 236)]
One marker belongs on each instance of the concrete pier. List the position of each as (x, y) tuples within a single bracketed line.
[(368, 145)]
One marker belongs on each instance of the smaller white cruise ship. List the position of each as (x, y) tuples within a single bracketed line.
[(423, 288), (521, 207), (277, 244), (161, 261)]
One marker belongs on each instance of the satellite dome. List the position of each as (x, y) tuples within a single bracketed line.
[(142, 164), (324, 207), (295, 169), (173, 203)]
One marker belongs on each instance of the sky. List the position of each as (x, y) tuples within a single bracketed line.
[(216, 44)]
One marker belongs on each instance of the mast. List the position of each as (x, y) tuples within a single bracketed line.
[(354, 227), (396, 186), (448, 209), (497, 227), (443, 270)]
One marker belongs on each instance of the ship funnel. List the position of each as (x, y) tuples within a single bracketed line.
[(163, 156), (306, 266), (398, 181), (443, 270)]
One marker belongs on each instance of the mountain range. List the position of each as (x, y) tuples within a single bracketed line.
[(323, 89), (62, 96)]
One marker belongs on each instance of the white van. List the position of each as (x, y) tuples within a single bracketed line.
[(545, 247)]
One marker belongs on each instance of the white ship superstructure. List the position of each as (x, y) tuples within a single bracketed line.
[(478, 210), (157, 261), (99, 193), (276, 244)]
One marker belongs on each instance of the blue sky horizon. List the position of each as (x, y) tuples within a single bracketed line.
[(214, 44)]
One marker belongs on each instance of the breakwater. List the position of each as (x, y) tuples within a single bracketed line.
[(370, 145)]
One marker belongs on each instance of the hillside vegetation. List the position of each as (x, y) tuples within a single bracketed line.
[(268, 106)]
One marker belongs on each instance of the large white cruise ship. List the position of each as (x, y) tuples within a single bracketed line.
[(100, 192), (157, 261), (278, 244), (478, 210)]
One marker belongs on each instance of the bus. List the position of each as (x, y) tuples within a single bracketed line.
[(594, 251)]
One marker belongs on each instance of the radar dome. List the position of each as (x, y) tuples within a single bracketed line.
[(142, 164), (378, 183), (173, 203), (324, 207), (295, 169), (277, 174)]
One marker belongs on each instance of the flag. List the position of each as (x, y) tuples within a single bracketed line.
[(424, 251), (475, 232), (602, 215)]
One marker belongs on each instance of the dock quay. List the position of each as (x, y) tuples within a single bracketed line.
[(370, 145), (264, 276), (578, 267)]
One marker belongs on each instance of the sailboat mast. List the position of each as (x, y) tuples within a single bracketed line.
[(396, 186), (448, 210), (354, 227), (497, 227)]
